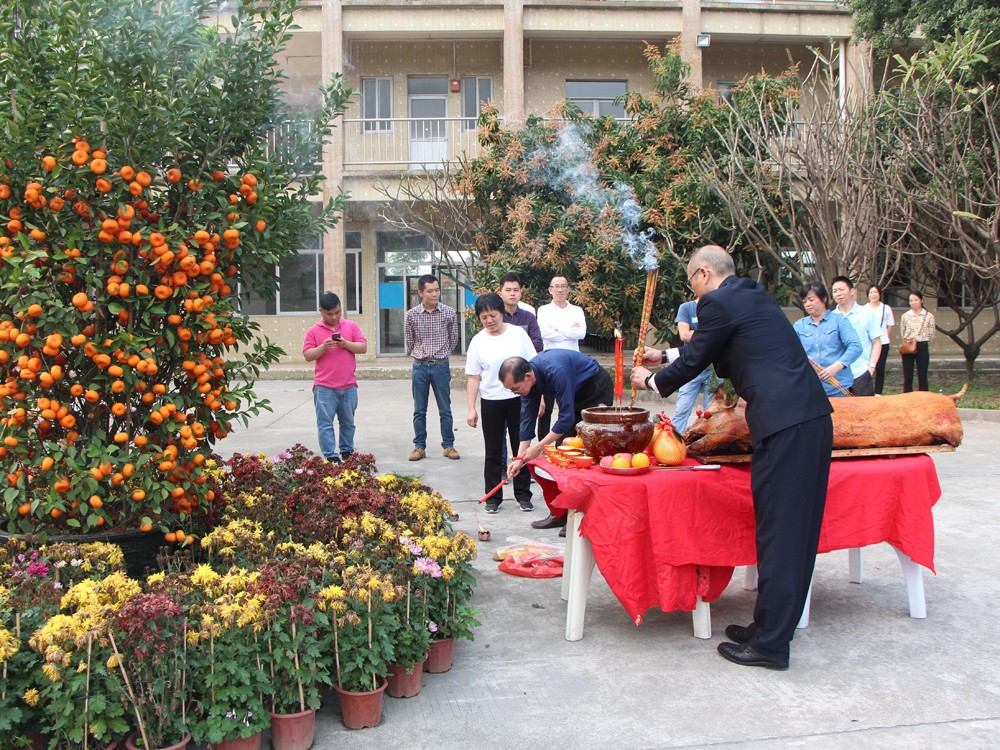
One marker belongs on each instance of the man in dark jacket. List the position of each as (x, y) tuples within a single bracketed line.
[(566, 378), (744, 333)]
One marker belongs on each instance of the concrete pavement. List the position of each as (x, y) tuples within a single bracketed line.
[(863, 672)]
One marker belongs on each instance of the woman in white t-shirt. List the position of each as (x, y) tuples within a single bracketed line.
[(501, 408), (883, 314)]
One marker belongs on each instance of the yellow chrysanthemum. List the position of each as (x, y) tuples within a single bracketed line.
[(9, 644), (204, 577), (31, 696), (52, 672), (112, 661)]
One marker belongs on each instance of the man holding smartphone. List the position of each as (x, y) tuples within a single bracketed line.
[(333, 344)]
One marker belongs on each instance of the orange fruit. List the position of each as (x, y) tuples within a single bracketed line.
[(621, 463), (640, 461)]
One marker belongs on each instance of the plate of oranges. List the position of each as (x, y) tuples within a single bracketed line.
[(625, 464)]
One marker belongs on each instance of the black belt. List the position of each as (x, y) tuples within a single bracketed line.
[(433, 361)]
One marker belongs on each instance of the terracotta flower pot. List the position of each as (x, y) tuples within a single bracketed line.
[(135, 737), (439, 655), (240, 743), (360, 710), (293, 731), (405, 680)]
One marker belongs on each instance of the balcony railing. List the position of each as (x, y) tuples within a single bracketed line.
[(408, 142)]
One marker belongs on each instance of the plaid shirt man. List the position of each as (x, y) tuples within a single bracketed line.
[(430, 334)]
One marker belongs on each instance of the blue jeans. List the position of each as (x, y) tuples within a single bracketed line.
[(687, 396), (425, 377), (341, 404)]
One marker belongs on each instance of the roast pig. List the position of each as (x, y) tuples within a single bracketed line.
[(907, 419)]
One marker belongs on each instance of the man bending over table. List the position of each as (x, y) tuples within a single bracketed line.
[(744, 333), (564, 377)]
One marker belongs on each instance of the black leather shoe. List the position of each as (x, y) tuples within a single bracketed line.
[(739, 633), (551, 522), (562, 532), (747, 656)]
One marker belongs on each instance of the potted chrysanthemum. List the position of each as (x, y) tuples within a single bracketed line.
[(292, 630), (364, 623), (226, 663)]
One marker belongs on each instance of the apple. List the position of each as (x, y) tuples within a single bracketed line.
[(606, 461)]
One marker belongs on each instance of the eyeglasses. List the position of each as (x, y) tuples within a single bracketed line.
[(696, 271), (559, 286)]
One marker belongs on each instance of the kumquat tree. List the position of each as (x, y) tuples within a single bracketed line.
[(138, 200)]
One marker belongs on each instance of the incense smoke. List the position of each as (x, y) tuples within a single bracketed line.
[(570, 163)]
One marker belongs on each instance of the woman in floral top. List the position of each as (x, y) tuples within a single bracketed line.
[(916, 323)]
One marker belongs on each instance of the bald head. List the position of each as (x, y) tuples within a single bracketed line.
[(708, 268), (714, 258)]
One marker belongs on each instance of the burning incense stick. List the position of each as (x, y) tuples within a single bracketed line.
[(647, 310)]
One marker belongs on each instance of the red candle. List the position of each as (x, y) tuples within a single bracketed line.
[(619, 366)]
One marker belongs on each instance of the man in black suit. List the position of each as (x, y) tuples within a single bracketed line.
[(744, 333)]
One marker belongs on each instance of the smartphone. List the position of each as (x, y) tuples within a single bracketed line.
[(336, 336)]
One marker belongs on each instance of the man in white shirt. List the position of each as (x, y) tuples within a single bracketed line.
[(561, 322), (563, 326), (869, 334)]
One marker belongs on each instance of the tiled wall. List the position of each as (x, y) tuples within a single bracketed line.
[(402, 59), (548, 64)]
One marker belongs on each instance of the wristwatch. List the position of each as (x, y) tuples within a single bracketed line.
[(648, 378), (663, 356)]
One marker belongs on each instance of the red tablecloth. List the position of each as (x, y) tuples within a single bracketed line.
[(664, 538)]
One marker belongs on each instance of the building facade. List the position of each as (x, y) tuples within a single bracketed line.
[(423, 68)]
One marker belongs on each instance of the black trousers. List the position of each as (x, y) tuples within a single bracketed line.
[(788, 476), (502, 420), (863, 385), (921, 359), (883, 357), (597, 390)]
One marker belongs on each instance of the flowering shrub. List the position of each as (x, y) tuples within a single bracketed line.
[(227, 666), (301, 494), (37, 688), (294, 634), (448, 612), (149, 640), (88, 653), (363, 625)]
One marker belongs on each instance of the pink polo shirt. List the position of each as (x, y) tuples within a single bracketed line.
[(335, 368)]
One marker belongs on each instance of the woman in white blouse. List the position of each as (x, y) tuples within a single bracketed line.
[(916, 323), (883, 314), (501, 408)]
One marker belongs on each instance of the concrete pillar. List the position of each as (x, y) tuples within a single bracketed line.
[(513, 58), (333, 154), (690, 51)]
